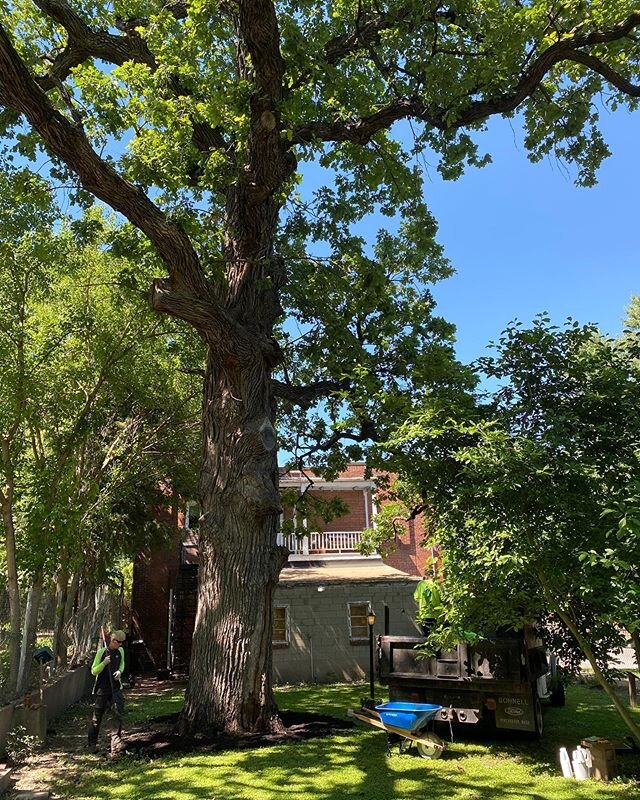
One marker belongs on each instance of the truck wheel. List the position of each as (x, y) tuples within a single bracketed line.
[(430, 746)]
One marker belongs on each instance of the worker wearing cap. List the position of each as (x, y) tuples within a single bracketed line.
[(107, 667)]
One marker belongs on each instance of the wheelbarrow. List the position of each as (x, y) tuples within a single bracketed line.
[(409, 721)]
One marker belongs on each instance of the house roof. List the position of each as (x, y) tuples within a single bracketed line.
[(348, 571)]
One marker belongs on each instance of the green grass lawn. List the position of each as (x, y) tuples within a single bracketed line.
[(354, 764)]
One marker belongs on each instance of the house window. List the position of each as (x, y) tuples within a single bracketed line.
[(192, 516), (280, 635), (358, 626)]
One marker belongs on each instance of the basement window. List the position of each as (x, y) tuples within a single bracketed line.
[(280, 636), (358, 627)]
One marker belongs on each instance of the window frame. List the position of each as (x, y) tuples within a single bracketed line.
[(367, 605), (191, 504), (287, 627)]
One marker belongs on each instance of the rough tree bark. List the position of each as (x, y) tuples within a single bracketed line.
[(239, 562), (29, 631), (13, 590), (230, 672), (59, 636)]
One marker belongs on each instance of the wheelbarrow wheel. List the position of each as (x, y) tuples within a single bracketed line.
[(430, 746)]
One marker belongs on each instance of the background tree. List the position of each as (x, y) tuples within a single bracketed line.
[(532, 497), (217, 102), (95, 412), (633, 313), (25, 236)]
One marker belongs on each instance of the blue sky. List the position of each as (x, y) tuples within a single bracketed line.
[(524, 239)]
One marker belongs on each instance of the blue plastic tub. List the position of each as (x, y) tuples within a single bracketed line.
[(407, 716)]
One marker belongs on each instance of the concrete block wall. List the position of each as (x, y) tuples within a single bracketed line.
[(320, 649), (66, 691), (58, 696)]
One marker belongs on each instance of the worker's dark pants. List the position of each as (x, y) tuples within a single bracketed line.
[(104, 702)]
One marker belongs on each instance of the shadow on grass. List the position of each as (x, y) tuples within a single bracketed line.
[(353, 764), (342, 768), (587, 713)]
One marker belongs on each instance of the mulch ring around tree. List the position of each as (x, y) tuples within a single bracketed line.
[(158, 736)]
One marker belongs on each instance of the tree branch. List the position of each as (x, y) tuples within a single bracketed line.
[(186, 294), (609, 74), (365, 34), (367, 432), (360, 131), (305, 396), (83, 42), (258, 27)]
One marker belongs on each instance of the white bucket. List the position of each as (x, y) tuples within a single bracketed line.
[(581, 763)]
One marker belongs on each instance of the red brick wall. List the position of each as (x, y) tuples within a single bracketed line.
[(355, 519), (408, 556), (154, 574)]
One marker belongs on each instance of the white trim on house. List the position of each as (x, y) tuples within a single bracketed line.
[(330, 557), (328, 545), (365, 497), (323, 545)]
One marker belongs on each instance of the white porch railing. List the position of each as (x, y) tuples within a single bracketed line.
[(318, 543)]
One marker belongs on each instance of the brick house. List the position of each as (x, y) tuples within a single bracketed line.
[(325, 590)]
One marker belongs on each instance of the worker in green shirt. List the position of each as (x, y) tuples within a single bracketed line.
[(431, 611), (107, 668)]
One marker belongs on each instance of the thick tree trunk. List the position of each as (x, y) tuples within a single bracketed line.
[(13, 590), (230, 677), (29, 632)]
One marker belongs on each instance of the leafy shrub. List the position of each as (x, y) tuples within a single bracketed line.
[(20, 744)]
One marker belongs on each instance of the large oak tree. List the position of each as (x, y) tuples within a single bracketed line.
[(218, 101)]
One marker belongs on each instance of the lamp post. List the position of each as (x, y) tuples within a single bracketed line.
[(371, 619)]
